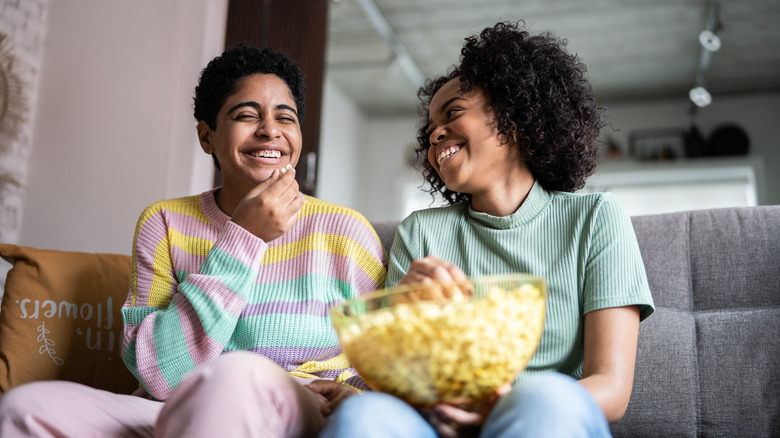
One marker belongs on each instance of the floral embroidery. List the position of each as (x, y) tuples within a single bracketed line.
[(48, 345)]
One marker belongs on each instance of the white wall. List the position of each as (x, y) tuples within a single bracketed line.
[(114, 128), (340, 133), (383, 168)]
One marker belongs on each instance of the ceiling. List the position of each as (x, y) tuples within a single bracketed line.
[(634, 49)]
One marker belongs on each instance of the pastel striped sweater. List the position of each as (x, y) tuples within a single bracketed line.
[(202, 285), (583, 245)]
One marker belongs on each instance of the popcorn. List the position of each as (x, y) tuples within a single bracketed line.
[(427, 349), (283, 170)]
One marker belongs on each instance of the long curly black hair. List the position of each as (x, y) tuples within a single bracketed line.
[(222, 74), (541, 98)]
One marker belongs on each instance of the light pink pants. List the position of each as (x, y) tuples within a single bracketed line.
[(239, 394)]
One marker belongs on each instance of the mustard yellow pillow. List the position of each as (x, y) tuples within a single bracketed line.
[(61, 320)]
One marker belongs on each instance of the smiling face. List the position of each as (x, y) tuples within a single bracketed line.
[(257, 131), (467, 150)]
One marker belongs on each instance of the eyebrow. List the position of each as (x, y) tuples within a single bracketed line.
[(445, 105), (257, 106)]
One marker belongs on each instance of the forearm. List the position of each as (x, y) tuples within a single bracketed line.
[(172, 327), (610, 357), (611, 397)]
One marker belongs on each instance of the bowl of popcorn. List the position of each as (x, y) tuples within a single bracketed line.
[(453, 343)]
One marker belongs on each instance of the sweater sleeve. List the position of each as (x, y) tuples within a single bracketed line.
[(173, 325)]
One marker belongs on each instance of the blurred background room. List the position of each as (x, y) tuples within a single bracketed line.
[(97, 101)]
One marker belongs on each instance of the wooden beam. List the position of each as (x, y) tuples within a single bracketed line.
[(299, 29)]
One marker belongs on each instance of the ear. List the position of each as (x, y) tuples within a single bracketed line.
[(205, 137), (507, 139)]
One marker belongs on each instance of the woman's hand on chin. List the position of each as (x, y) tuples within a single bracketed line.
[(270, 209)]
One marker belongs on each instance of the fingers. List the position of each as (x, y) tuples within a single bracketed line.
[(271, 208), (503, 390), (333, 392), (450, 421), (290, 190), (335, 401), (322, 387), (432, 269), (457, 415), (280, 185)]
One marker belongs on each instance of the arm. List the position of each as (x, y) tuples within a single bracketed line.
[(615, 274), (172, 327), (610, 355), (187, 293)]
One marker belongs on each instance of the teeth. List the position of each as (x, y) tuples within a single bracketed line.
[(446, 153), (266, 154), (284, 169)]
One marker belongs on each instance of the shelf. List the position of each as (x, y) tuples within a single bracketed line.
[(652, 187)]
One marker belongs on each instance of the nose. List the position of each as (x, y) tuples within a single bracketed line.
[(267, 127), (437, 135)]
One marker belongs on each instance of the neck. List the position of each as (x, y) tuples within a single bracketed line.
[(227, 200), (505, 197)]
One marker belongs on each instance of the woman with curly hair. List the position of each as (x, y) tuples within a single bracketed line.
[(508, 136), (226, 325)]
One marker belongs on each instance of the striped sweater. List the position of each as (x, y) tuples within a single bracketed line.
[(583, 245), (202, 285)]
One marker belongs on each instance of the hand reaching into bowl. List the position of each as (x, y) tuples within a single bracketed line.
[(432, 269)]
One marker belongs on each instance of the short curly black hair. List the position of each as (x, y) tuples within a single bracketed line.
[(541, 98), (221, 76)]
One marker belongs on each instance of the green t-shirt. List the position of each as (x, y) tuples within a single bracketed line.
[(583, 245)]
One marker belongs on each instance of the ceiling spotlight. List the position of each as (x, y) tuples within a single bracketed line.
[(709, 40), (700, 96)]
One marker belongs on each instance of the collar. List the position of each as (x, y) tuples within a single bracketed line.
[(537, 200)]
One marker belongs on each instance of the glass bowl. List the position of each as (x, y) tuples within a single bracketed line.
[(444, 343)]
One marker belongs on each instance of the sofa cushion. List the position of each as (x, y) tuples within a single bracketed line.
[(61, 319), (664, 400), (708, 358), (735, 265), (739, 359)]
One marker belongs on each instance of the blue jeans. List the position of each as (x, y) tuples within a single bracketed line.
[(548, 405)]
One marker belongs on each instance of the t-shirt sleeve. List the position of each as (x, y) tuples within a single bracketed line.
[(404, 250), (614, 272)]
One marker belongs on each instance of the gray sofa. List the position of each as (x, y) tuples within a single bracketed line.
[(708, 363)]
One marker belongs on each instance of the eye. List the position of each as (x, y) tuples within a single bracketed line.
[(246, 117), (451, 111), (287, 119)]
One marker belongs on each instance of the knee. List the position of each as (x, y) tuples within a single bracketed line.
[(239, 367), (547, 405), (242, 362), (370, 404), (551, 391), (235, 373), (548, 396), (376, 411)]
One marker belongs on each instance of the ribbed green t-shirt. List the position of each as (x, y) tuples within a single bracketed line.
[(582, 244)]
